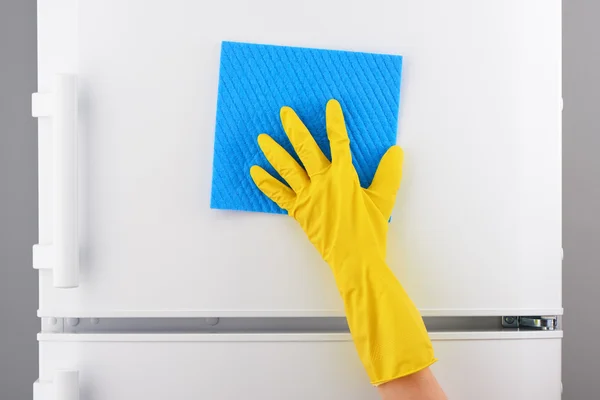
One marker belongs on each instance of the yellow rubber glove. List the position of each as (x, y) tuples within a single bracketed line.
[(348, 225)]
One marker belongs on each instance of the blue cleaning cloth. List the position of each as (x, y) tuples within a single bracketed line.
[(255, 81)]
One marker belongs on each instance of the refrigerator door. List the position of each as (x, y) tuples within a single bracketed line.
[(125, 223), (491, 366)]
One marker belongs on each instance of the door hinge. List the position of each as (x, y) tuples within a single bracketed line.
[(53, 325), (65, 386), (544, 323)]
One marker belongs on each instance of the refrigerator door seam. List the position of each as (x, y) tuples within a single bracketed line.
[(282, 325)]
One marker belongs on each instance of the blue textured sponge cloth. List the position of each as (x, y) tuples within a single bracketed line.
[(255, 81)]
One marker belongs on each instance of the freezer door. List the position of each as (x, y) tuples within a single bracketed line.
[(477, 226), (286, 366)]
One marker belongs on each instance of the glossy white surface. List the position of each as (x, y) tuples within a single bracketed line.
[(477, 227), (66, 385), (304, 367)]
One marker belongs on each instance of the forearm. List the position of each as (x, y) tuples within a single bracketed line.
[(421, 385), (386, 326)]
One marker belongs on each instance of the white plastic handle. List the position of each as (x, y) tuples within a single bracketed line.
[(66, 385), (66, 238), (63, 255)]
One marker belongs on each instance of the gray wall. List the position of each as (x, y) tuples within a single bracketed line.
[(18, 204), (18, 200), (581, 199)]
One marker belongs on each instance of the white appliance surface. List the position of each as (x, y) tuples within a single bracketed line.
[(476, 230), (477, 227), (491, 366)]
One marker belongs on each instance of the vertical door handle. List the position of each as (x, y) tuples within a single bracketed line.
[(62, 256)]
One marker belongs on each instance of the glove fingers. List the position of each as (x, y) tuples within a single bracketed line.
[(307, 149), (337, 133), (387, 179), (272, 188), (283, 163)]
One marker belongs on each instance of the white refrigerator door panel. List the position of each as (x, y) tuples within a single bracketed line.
[(477, 227), (292, 367)]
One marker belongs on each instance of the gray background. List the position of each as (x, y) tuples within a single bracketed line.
[(18, 203), (581, 199), (18, 200)]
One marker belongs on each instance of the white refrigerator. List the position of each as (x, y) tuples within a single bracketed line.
[(148, 293)]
